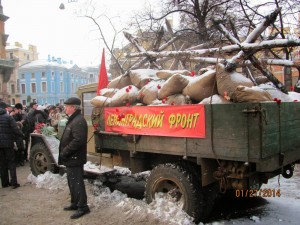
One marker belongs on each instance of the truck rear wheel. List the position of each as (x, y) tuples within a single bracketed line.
[(177, 183), (41, 160)]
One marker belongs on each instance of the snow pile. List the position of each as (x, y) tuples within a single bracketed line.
[(93, 168), (162, 209), (49, 180), (279, 210), (167, 210), (101, 196), (255, 219)]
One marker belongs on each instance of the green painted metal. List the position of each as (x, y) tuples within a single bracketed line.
[(249, 132)]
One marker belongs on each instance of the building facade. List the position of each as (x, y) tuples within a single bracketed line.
[(6, 65), (52, 81), (20, 56)]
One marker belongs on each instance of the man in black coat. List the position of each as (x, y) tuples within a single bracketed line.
[(8, 131), (72, 154)]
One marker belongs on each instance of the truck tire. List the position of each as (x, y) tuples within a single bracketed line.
[(41, 160), (175, 182), (210, 192)]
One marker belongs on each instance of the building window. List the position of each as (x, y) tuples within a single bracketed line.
[(91, 75), (32, 76), (18, 85), (23, 88), (52, 86), (52, 75), (11, 55), (61, 75), (72, 75), (12, 89), (61, 87), (33, 87), (22, 76), (44, 87), (43, 74)]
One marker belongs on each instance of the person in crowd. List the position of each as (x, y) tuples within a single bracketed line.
[(73, 155), (40, 116), (19, 117), (8, 131), (9, 109), (60, 109), (35, 115), (55, 116), (29, 125)]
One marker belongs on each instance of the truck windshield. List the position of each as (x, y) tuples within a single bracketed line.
[(87, 106)]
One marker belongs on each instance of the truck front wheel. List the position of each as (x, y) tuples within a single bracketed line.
[(176, 183), (41, 160)]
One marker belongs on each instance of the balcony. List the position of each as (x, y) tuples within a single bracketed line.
[(6, 68)]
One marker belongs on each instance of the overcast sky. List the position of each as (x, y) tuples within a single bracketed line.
[(61, 33)]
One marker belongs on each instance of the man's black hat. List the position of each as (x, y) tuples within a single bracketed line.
[(73, 101), (19, 106)]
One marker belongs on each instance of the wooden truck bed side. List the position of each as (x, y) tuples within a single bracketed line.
[(246, 132)]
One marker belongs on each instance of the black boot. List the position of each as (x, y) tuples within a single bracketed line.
[(80, 212), (70, 208)]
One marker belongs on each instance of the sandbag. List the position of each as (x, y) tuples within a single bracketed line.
[(276, 93), (177, 99), (215, 99), (119, 82), (250, 94), (100, 101), (261, 80), (149, 92), (126, 95), (201, 87), (166, 74), (205, 69), (108, 92), (141, 77), (174, 85), (228, 82)]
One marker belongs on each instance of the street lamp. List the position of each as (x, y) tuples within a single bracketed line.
[(62, 5)]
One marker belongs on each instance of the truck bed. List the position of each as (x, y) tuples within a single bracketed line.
[(261, 133)]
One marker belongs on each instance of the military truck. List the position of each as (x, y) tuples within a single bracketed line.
[(238, 147)]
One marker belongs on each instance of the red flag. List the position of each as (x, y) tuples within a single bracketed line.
[(103, 79)]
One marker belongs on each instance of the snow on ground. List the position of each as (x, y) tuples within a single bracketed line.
[(270, 210)]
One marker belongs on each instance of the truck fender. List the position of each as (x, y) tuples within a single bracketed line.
[(43, 154)]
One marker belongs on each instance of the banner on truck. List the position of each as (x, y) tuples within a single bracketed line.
[(175, 121)]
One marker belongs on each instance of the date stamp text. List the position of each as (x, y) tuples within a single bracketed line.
[(265, 193)]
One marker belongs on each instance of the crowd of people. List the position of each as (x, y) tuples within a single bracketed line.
[(16, 124)]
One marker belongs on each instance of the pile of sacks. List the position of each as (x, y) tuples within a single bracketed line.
[(180, 87)]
